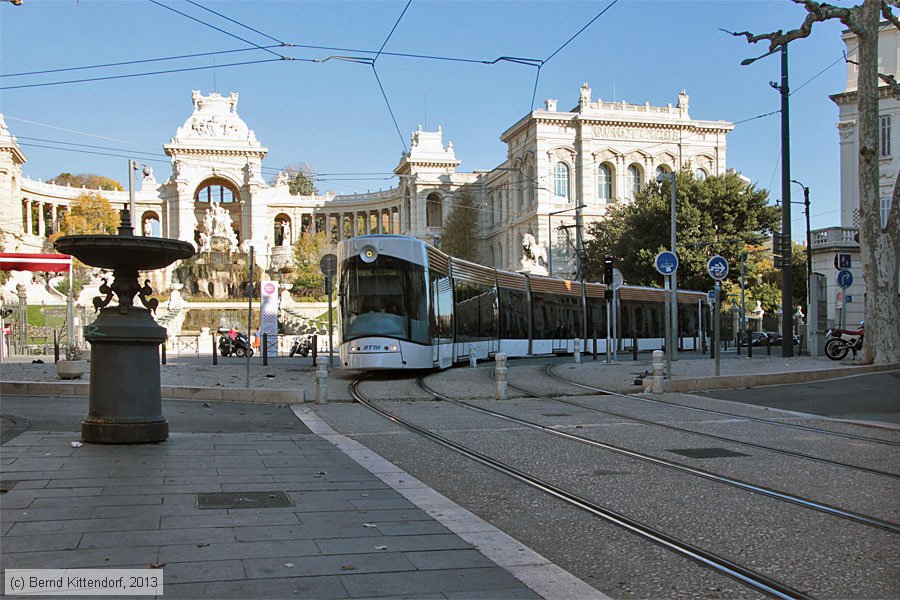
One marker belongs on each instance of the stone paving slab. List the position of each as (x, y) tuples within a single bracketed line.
[(347, 535)]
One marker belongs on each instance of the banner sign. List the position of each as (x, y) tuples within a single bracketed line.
[(56, 263), (268, 315)]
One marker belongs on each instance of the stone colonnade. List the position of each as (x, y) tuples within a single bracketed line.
[(55, 210), (343, 225)]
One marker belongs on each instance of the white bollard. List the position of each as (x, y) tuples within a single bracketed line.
[(473, 361), (656, 385), (577, 352), (322, 383), (502, 391)]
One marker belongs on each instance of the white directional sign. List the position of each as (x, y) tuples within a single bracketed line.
[(717, 267)]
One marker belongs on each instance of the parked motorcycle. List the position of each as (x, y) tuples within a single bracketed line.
[(302, 345), (239, 346), (842, 341)]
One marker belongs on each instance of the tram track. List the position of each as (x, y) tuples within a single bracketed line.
[(713, 436), (747, 576), (549, 371)]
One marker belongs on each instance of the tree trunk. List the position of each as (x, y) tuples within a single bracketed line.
[(878, 246)]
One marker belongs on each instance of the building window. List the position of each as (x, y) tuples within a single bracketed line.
[(632, 181), (700, 174), (561, 180), (604, 183), (662, 170), (433, 210), (884, 135), (885, 211)]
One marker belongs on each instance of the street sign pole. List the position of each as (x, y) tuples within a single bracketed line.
[(718, 287), (668, 326), (328, 266)]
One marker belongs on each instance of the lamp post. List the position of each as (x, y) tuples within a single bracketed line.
[(808, 248), (787, 345), (550, 236), (673, 315)]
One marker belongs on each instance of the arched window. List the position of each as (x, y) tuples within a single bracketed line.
[(604, 183), (529, 185), (662, 170), (493, 257), (700, 173), (407, 212), (150, 226), (499, 262), (283, 235), (433, 210), (561, 180), (632, 181), (217, 189)]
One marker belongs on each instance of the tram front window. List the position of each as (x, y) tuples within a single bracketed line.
[(384, 298)]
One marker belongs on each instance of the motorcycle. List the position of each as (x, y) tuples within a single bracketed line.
[(302, 345), (841, 341), (239, 346)]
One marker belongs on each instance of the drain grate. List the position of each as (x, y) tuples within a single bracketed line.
[(244, 500), (7, 484), (707, 453)]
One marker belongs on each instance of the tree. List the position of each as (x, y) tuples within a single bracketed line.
[(90, 181), (309, 283), (879, 245), (458, 238), (88, 213), (717, 215), (299, 179)]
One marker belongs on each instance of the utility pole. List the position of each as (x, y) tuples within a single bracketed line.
[(787, 284)]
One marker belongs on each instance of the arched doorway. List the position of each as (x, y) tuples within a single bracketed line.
[(222, 193), (283, 234), (150, 225)]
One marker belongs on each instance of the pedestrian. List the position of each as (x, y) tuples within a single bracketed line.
[(256, 339)]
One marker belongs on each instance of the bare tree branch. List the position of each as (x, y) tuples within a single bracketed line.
[(888, 14), (892, 82), (816, 13)]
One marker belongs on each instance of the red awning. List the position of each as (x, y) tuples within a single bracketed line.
[(12, 261)]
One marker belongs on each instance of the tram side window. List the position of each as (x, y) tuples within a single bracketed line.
[(476, 312), (687, 316), (441, 305), (513, 315), (556, 317), (597, 317)]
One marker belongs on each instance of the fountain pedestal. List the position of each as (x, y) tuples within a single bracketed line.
[(125, 393)]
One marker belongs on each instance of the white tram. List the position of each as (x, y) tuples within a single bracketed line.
[(406, 305)]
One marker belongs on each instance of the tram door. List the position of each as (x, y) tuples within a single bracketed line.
[(441, 319)]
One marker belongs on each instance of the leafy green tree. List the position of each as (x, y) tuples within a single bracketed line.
[(716, 215), (459, 232), (300, 179), (89, 213), (309, 283), (91, 181)]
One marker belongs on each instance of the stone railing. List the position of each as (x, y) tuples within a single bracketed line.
[(834, 236), (379, 195)]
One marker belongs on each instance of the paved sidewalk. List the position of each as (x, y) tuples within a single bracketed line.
[(345, 532)]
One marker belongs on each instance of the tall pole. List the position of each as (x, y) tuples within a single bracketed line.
[(673, 319), (743, 307), (549, 245), (131, 165), (787, 287), (249, 315)]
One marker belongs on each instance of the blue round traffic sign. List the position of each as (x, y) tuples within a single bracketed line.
[(666, 262), (717, 267), (844, 278)]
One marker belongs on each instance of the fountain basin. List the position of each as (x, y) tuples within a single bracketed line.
[(124, 252)]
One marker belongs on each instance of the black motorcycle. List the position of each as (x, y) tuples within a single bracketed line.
[(302, 345), (239, 346)]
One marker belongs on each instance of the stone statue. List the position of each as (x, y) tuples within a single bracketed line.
[(217, 223), (196, 97), (148, 228), (232, 102), (534, 256), (204, 242), (285, 233)]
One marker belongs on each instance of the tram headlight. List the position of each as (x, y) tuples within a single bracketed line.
[(368, 254)]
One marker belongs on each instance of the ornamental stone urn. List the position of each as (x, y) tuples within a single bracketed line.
[(125, 395), (71, 369)]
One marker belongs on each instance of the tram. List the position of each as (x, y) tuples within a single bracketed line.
[(406, 305)]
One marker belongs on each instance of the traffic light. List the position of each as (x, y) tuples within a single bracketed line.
[(608, 270), (778, 250)]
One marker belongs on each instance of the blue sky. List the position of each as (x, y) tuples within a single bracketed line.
[(332, 115)]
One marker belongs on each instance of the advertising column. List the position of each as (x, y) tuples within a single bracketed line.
[(268, 316)]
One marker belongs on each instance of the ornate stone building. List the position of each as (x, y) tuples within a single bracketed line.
[(597, 154)]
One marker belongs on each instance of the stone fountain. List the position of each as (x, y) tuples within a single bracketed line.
[(125, 393)]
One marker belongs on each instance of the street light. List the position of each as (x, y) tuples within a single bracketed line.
[(673, 314), (787, 291), (550, 236)]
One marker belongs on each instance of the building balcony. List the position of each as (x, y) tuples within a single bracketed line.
[(834, 237)]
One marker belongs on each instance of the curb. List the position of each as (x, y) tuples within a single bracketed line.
[(697, 384), (216, 394)]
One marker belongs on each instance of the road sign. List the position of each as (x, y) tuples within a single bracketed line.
[(666, 262), (328, 265), (618, 280), (717, 267), (711, 295), (842, 261), (844, 278)]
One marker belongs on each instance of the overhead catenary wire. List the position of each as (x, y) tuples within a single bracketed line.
[(394, 28), (245, 26)]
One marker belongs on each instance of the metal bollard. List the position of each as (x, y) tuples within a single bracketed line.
[(768, 346), (656, 384), (315, 349), (634, 345), (56, 346), (162, 351), (264, 346), (473, 360), (502, 391), (215, 351), (577, 345), (322, 383)]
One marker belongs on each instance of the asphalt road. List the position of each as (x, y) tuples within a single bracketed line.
[(873, 397)]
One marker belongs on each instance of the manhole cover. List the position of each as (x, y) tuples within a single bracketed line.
[(6, 485), (243, 500), (707, 453)]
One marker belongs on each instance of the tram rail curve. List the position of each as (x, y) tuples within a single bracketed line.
[(719, 564), (863, 438), (713, 436)]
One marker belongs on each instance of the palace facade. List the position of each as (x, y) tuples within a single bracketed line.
[(595, 155)]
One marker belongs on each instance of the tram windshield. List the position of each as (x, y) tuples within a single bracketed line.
[(384, 298)]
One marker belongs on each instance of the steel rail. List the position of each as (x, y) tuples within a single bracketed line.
[(719, 564), (743, 485), (710, 435), (549, 371)]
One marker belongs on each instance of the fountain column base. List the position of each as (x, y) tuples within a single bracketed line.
[(125, 393)]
